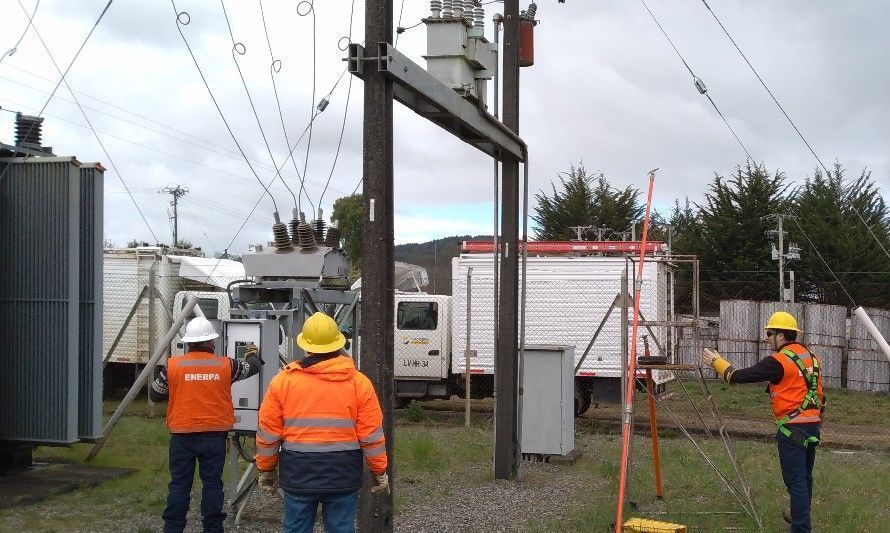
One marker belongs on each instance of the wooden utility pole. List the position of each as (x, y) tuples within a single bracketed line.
[(506, 436), (375, 510)]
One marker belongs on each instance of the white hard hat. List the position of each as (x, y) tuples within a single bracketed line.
[(199, 329)]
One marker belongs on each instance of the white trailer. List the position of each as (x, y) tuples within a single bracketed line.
[(153, 273), (567, 298)]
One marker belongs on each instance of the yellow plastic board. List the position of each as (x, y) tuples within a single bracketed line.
[(643, 525)]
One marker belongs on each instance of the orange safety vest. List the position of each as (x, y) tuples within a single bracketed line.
[(788, 396), (200, 387)]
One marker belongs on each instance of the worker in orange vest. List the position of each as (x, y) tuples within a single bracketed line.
[(199, 416), (794, 382), (319, 422)]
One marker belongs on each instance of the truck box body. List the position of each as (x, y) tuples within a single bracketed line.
[(126, 272), (566, 301)]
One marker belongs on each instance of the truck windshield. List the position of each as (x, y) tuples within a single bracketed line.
[(210, 307), (417, 315)]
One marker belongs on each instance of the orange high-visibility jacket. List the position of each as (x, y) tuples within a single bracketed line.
[(200, 386), (789, 394), (319, 421)]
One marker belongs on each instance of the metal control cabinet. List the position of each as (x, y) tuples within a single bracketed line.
[(548, 385), (247, 394)]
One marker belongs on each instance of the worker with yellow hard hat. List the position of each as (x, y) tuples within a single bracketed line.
[(319, 423), (795, 387)]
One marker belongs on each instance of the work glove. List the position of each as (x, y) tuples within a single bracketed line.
[(251, 351), (713, 359), (709, 356), (381, 483), (268, 480)]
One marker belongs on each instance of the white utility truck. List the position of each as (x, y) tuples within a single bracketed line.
[(567, 298)]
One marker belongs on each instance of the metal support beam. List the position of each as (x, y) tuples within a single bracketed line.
[(420, 91), (507, 454), (378, 276), (125, 325)]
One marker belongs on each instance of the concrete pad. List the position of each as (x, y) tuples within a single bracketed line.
[(568, 459), (48, 479)]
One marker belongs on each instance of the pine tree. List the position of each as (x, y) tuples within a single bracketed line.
[(827, 222), (573, 206), (584, 201), (735, 258)]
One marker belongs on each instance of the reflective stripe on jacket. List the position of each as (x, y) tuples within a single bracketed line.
[(788, 395), (318, 423), (200, 387)]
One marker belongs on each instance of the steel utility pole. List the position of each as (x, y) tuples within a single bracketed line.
[(506, 432), (780, 254), (176, 192), (375, 509), (579, 230)]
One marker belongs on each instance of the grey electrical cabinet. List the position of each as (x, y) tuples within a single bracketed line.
[(238, 337), (548, 400)]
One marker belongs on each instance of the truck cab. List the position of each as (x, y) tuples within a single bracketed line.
[(422, 341)]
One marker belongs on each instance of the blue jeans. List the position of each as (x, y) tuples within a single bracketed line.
[(337, 510), (797, 472), (210, 453)]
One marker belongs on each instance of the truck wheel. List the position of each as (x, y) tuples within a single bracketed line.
[(400, 403), (582, 400)]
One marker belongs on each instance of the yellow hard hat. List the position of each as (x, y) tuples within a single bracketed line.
[(782, 320), (320, 335)]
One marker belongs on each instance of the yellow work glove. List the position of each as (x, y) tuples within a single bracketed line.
[(381, 483), (251, 351), (268, 480), (713, 359)]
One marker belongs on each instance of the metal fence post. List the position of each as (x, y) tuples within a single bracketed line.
[(467, 351), (152, 321)]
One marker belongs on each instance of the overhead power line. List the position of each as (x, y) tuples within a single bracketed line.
[(231, 154), (62, 77), (272, 71), (14, 49), (824, 262), (699, 84), (311, 4), (238, 48), (125, 110), (93, 130), (788, 117), (345, 113), (183, 19)]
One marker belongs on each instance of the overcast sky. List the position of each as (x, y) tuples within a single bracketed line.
[(606, 89)]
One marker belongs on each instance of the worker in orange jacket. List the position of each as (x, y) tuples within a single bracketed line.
[(199, 416), (319, 422), (794, 380)]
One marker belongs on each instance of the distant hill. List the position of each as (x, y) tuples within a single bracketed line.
[(436, 257)]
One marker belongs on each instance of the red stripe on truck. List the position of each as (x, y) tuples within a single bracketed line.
[(477, 371), (586, 373)]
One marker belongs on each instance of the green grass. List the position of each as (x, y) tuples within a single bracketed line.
[(849, 489), (138, 443), (751, 401), (415, 413)]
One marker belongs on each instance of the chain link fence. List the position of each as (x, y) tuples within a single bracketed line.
[(850, 357)]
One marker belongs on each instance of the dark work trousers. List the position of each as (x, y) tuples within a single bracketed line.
[(209, 450), (797, 472)]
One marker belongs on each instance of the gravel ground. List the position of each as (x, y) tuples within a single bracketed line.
[(439, 504)]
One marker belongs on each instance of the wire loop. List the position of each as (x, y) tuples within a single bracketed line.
[(300, 6), (183, 18)]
